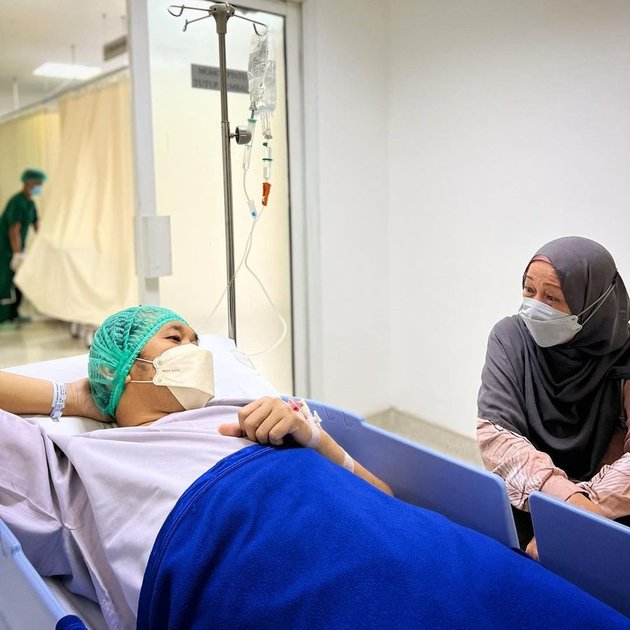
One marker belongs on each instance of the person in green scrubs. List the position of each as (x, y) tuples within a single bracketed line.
[(18, 216)]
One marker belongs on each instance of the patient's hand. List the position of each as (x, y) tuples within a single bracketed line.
[(81, 403), (268, 420)]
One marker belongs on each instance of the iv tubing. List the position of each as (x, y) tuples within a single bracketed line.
[(245, 261)]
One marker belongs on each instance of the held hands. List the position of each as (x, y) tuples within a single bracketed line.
[(268, 421)]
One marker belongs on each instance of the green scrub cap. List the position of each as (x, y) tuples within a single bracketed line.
[(33, 174), (116, 345)]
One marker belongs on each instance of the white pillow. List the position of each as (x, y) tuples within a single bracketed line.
[(235, 380)]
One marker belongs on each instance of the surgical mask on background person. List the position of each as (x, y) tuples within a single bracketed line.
[(188, 372), (550, 327), (35, 191)]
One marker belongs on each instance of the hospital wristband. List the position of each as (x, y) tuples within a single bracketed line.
[(60, 393)]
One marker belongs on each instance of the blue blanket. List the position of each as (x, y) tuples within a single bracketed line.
[(282, 538)]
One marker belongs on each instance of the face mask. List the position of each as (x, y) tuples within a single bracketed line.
[(549, 326), (187, 370), (36, 190)]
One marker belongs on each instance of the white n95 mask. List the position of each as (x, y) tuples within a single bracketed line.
[(551, 327), (187, 371)]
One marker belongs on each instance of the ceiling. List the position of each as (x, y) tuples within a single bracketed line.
[(35, 31)]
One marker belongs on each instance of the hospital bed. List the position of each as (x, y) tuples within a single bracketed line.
[(418, 475)]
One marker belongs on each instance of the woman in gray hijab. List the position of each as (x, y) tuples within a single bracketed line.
[(553, 401)]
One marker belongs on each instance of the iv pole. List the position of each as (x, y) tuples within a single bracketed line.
[(222, 13)]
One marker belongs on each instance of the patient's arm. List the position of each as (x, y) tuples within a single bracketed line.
[(24, 394), (269, 420)]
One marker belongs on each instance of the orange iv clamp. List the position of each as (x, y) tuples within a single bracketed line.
[(266, 191), (266, 167)]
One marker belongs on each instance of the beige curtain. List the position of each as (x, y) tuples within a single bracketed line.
[(30, 140), (81, 265)]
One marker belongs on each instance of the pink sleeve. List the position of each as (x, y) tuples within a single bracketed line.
[(610, 487), (522, 467)]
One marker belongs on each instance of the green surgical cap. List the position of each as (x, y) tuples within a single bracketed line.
[(116, 345), (33, 174)]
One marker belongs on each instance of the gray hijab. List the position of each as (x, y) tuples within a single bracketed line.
[(565, 399)]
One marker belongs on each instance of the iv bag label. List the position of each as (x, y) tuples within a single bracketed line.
[(208, 78)]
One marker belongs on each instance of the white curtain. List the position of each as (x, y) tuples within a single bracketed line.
[(81, 265)]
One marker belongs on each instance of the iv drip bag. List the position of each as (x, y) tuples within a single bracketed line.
[(261, 72)]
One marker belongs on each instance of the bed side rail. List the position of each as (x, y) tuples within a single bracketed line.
[(591, 551), (25, 599), (419, 475)]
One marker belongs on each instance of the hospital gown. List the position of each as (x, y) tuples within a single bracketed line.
[(90, 506)]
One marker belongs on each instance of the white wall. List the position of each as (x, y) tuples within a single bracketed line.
[(346, 175), (509, 126), (445, 141)]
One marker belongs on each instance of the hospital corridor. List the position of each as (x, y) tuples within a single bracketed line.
[(313, 314)]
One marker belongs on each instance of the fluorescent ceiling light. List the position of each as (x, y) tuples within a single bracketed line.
[(66, 71)]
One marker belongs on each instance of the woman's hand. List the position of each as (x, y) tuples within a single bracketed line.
[(81, 403), (579, 500), (268, 421), (532, 549), (582, 501)]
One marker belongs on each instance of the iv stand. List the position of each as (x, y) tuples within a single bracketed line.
[(222, 12)]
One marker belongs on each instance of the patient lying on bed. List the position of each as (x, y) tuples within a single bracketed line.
[(185, 517)]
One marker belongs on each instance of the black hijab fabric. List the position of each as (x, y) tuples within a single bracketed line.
[(565, 399)]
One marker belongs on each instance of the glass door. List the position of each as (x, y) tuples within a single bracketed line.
[(189, 186)]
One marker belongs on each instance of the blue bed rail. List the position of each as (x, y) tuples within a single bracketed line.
[(469, 496), (591, 551)]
